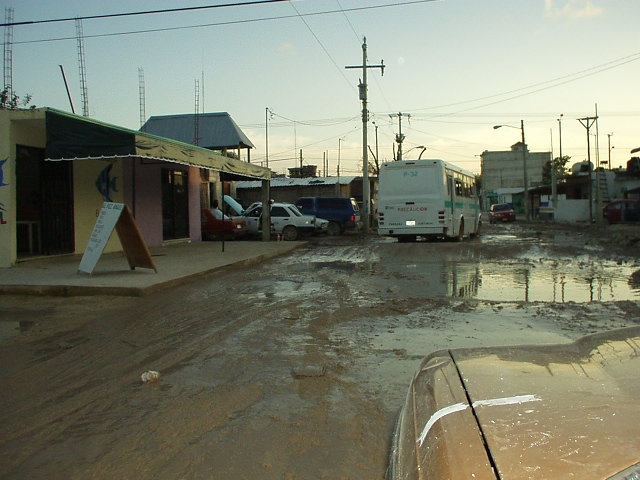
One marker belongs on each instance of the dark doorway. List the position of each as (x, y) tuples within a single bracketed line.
[(175, 204), (44, 209)]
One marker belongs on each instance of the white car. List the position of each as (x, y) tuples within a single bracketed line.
[(286, 220)]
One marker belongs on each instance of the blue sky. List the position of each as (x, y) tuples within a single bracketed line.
[(454, 68)]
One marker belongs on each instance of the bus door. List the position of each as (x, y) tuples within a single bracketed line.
[(451, 187)]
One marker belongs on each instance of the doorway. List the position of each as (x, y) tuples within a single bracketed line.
[(175, 204), (44, 207)]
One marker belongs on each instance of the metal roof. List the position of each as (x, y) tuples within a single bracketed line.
[(216, 131), (279, 182)]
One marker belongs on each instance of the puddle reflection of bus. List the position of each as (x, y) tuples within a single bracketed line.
[(427, 198)]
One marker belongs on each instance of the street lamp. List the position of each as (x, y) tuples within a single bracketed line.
[(524, 165), (419, 146)]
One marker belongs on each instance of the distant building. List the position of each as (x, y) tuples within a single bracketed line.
[(304, 171), (285, 189), (503, 171), (213, 131)]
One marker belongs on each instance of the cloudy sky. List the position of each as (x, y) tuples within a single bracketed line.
[(453, 69)]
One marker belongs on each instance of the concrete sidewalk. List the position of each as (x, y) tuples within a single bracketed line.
[(176, 263)]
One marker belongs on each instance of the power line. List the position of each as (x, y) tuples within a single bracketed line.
[(322, 46), (231, 22), (146, 12), (545, 85)]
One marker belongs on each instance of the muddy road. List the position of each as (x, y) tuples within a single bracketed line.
[(294, 369)]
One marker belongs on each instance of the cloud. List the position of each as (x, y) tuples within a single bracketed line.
[(571, 8)]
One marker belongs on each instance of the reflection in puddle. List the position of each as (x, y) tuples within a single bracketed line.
[(559, 283), (579, 280)]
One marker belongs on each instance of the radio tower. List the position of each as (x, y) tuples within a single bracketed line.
[(196, 135), (83, 74), (8, 56), (143, 116)]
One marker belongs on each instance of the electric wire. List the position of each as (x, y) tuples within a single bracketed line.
[(146, 12), (223, 23), (324, 49)]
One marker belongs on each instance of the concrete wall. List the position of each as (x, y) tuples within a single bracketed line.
[(572, 211), (144, 177), (505, 169), (21, 127)]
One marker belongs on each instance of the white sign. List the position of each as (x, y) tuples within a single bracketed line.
[(106, 222)]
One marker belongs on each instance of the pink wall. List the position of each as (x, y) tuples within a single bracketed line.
[(143, 195)]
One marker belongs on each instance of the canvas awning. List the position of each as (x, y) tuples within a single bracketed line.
[(72, 137)]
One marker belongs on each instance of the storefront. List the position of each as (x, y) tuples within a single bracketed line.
[(56, 170)]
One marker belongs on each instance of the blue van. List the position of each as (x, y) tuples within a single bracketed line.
[(341, 212)]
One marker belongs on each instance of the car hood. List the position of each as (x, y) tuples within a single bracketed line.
[(235, 206), (539, 412)]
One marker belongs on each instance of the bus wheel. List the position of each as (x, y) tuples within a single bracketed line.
[(477, 232)]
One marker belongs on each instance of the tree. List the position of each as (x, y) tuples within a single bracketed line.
[(11, 101), (560, 166), (478, 182)]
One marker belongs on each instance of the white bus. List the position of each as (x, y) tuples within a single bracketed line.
[(427, 198)]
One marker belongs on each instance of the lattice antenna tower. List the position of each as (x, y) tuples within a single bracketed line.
[(196, 126), (143, 115), (81, 67), (8, 55)]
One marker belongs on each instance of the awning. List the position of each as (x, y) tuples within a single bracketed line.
[(72, 137)]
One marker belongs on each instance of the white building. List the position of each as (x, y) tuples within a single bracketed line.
[(503, 171)]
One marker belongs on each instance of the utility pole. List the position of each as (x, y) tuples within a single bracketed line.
[(554, 184), (366, 193), (338, 192), (66, 84), (399, 137), (267, 112), (587, 122), (609, 147)]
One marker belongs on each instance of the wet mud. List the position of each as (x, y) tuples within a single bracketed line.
[(293, 369)]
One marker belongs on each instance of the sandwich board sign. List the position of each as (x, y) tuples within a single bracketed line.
[(116, 215)]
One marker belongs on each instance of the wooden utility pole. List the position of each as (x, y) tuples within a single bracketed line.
[(587, 122), (366, 194)]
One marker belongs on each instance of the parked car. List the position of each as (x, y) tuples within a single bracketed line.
[(620, 211), (214, 226), (502, 212), (286, 220), (526, 412), (341, 212)]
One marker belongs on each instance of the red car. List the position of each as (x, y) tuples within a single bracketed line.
[(502, 212), (214, 226), (620, 211)]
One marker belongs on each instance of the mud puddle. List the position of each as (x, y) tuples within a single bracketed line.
[(531, 275)]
